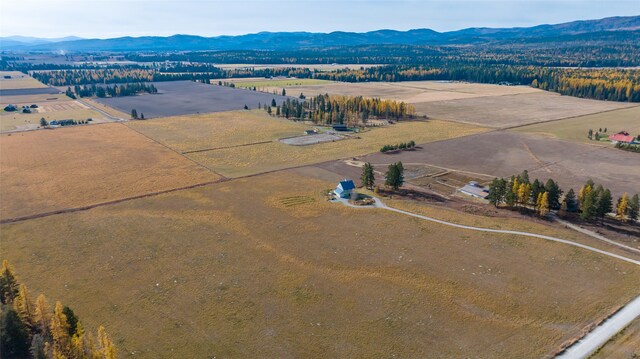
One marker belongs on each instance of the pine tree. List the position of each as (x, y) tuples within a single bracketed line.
[(622, 208), (589, 206), (584, 191), (134, 114), (554, 192), (497, 191), (634, 208), (368, 176), (394, 177), (8, 283), (37, 348), (59, 328), (571, 201), (43, 122), (14, 337), (105, 345), (605, 204), (284, 92)]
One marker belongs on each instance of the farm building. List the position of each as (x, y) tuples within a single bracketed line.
[(310, 132), (622, 137), (345, 189), (474, 189)]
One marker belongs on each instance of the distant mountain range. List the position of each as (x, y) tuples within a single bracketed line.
[(626, 28)]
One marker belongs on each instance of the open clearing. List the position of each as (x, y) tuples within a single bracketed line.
[(186, 97), (311, 139), (18, 80), (240, 161), (625, 344), (212, 273), (76, 166), (217, 130), (504, 153), (576, 129)]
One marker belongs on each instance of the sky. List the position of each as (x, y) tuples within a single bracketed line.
[(115, 18)]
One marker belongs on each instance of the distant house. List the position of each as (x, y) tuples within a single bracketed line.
[(474, 189), (310, 132), (340, 127), (621, 137), (345, 189)]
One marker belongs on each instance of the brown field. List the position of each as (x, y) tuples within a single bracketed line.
[(576, 129), (514, 110), (625, 344), (240, 161), (207, 277), (504, 153), (30, 99), (215, 130), (18, 80), (69, 167), (109, 110)]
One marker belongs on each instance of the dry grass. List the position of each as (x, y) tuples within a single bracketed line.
[(110, 110), (222, 129), (208, 272), (239, 161), (276, 83), (514, 110), (576, 129), (68, 167), (625, 344), (23, 121), (30, 99), (18, 80)]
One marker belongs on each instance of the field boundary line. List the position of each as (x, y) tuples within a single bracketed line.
[(102, 204), (171, 149), (225, 147), (569, 118)]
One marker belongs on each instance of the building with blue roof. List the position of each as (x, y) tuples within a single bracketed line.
[(345, 189)]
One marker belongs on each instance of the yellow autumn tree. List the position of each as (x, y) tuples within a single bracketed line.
[(105, 346), (59, 328), (25, 307), (543, 208), (584, 191), (524, 192), (42, 314), (622, 208)]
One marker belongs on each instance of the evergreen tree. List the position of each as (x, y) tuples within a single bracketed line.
[(511, 198), (368, 176), (72, 320), (605, 204), (37, 348), (43, 122), (571, 201), (589, 206), (14, 338), (622, 208), (8, 283), (134, 114), (273, 102), (536, 189), (554, 193), (634, 208), (394, 177), (141, 116), (497, 191), (524, 177), (284, 92)]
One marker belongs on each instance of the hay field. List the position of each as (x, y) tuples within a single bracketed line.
[(625, 344), (576, 129), (18, 80), (239, 161), (30, 99), (215, 130), (69, 167), (209, 273), (514, 110), (109, 110)]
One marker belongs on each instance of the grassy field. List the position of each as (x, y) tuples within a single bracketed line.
[(625, 344), (281, 272), (31, 99), (18, 80), (49, 170), (215, 130), (110, 110), (576, 129), (20, 121), (239, 161)]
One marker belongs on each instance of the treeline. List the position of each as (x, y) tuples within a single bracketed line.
[(348, 110), (140, 74), (113, 91), (400, 146), (591, 203), (600, 84), (628, 147), (618, 49), (31, 330)]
